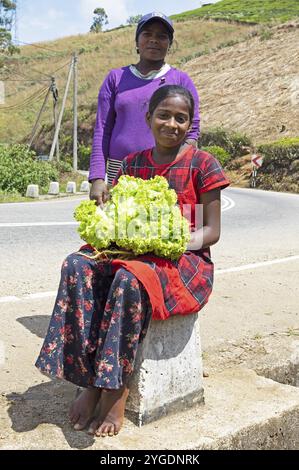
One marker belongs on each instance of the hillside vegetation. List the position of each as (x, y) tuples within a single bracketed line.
[(247, 76), (252, 87), (28, 74), (252, 11)]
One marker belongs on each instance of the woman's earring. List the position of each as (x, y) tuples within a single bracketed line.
[(137, 50)]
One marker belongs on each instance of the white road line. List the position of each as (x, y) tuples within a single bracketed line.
[(262, 192), (36, 224), (42, 295), (256, 265), (47, 201), (11, 298), (39, 295), (226, 204)]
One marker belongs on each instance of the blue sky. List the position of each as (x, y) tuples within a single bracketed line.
[(42, 20)]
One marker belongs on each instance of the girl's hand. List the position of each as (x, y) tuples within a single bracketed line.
[(209, 233), (196, 240), (99, 192)]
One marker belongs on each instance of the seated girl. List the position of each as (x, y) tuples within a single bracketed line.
[(102, 312)]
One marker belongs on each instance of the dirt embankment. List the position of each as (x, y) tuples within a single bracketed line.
[(253, 86)]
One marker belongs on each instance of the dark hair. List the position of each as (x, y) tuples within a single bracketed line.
[(171, 90)]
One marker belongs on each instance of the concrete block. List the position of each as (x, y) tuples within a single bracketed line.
[(71, 187), (84, 188), (168, 370), (54, 188), (32, 191)]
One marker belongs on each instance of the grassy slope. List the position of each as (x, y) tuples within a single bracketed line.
[(256, 11), (98, 53), (252, 87)]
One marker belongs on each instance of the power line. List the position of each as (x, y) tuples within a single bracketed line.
[(22, 105), (35, 96), (25, 80), (15, 17), (31, 99), (66, 64), (37, 47), (36, 71), (48, 75), (40, 73), (32, 80), (31, 69), (24, 77)]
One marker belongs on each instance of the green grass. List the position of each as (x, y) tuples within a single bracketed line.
[(249, 11), (70, 177), (13, 197)]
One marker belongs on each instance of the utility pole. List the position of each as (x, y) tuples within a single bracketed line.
[(55, 139), (38, 117), (16, 20), (55, 104), (75, 112)]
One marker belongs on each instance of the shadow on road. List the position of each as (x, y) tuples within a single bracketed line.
[(46, 403), (37, 324)]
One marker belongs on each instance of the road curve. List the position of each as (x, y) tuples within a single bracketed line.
[(257, 226)]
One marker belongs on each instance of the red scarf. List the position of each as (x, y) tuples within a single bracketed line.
[(151, 282)]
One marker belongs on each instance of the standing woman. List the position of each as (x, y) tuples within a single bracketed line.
[(123, 101)]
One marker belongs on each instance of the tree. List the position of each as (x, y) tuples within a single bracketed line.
[(134, 19), (99, 20), (6, 8)]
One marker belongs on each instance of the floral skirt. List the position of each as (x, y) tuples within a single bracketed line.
[(99, 318)]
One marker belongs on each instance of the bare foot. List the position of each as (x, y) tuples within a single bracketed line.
[(112, 412), (82, 409)]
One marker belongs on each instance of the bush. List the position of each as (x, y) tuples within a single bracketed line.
[(266, 34), (235, 143), (19, 167), (222, 155), (63, 166), (286, 149), (280, 170), (83, 157)]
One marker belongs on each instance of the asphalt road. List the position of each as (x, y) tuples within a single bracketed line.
[(246, 308), (256, 226)]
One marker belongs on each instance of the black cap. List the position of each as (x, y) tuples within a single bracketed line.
[(155, 16)]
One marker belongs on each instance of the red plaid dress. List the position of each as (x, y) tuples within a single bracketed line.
[(186, 283), (102, 309)]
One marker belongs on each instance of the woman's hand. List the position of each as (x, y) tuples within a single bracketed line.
[(99, 192), (192, 142)]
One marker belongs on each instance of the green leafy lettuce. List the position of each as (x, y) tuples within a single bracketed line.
[(141, 216)]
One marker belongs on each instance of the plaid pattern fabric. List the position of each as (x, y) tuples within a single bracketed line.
[(191, 174)]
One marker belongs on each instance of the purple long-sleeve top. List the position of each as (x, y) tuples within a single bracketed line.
[(120, 126)]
